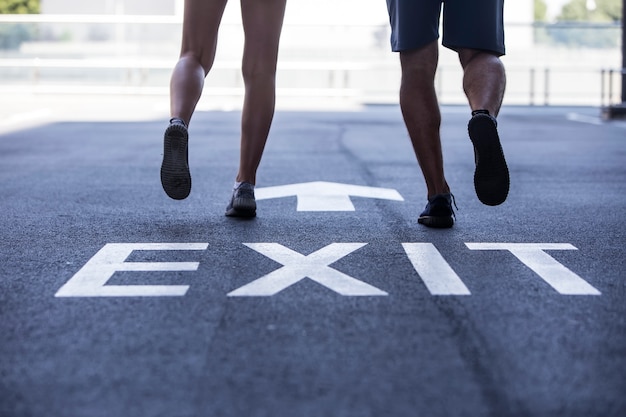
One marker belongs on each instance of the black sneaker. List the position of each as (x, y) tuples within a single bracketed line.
[(491, 178), (438, 212), (242, 203), (175, 176)]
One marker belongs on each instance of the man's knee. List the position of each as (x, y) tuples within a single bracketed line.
[(468, 55), (420, 62)]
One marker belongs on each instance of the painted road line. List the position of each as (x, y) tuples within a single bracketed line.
[(436, 273), (549, 269), (25, 119), (581, 118), (297, 267), (326, 196), (91, 279)]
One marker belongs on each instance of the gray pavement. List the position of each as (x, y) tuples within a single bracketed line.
[(117, 301)]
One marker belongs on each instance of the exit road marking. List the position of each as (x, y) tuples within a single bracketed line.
[(436, 274)]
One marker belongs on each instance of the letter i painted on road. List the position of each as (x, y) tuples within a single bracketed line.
[(549, 269), (436, 273), (91, 279)]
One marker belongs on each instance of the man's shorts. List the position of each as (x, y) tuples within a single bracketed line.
[(476, 24)]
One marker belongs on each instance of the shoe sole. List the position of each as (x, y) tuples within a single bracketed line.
[(242, 207), (491, 178), (437, 222), (233, 212), (175, 176)]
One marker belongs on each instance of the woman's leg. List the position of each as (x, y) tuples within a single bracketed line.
[(200, 27), (201, 22), (262, 23)]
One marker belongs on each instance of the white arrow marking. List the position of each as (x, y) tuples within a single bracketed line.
[(549, 269), (436, 273), (91, 279), (296, 267), (326, 196)]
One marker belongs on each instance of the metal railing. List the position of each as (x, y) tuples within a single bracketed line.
[(61, 57)]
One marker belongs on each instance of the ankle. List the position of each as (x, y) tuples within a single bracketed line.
[(178, 120), (480, 111)]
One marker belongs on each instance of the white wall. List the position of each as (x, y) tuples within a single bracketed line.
[(518, 16), (157, 7)]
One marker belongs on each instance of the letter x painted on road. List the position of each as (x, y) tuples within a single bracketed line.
[(296, 267)]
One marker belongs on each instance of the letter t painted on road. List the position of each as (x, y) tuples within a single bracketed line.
[(549, 269)]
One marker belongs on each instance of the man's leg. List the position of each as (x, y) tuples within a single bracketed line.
[(484, 82), (420, 109)]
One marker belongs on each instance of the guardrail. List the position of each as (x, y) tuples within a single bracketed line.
[(369, 75), (533, 86)]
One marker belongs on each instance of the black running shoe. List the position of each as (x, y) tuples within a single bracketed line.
[(491, 178), (242, 203), (175, 176), (438, 212)]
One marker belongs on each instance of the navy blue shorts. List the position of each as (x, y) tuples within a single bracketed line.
[(476, 24)]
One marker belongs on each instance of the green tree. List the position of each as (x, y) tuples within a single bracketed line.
[(612, 9), (601, 33), (12, 35), (541, 10), (19, 6), (592, 11)]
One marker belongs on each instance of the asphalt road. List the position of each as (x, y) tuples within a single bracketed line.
[(117, 301)]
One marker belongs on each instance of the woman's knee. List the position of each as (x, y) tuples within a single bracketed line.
[(197, 59), (258, 69)]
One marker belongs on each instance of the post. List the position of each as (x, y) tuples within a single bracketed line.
[(602, 87), (531, 91), (618, 111), (623, 55), (546, 87)]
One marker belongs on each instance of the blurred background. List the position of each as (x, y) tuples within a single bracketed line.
[(333, 52)]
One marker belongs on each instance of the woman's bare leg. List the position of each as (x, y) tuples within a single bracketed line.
[(262, 22), (200, 27)]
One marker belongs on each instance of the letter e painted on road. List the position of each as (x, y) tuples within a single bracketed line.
[(549, 269), (91, 279)]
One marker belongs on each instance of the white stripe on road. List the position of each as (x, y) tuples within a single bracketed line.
[(577, 117), (297, 267), (436, 273), (549, 269), (91, 279), (26, 119)]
